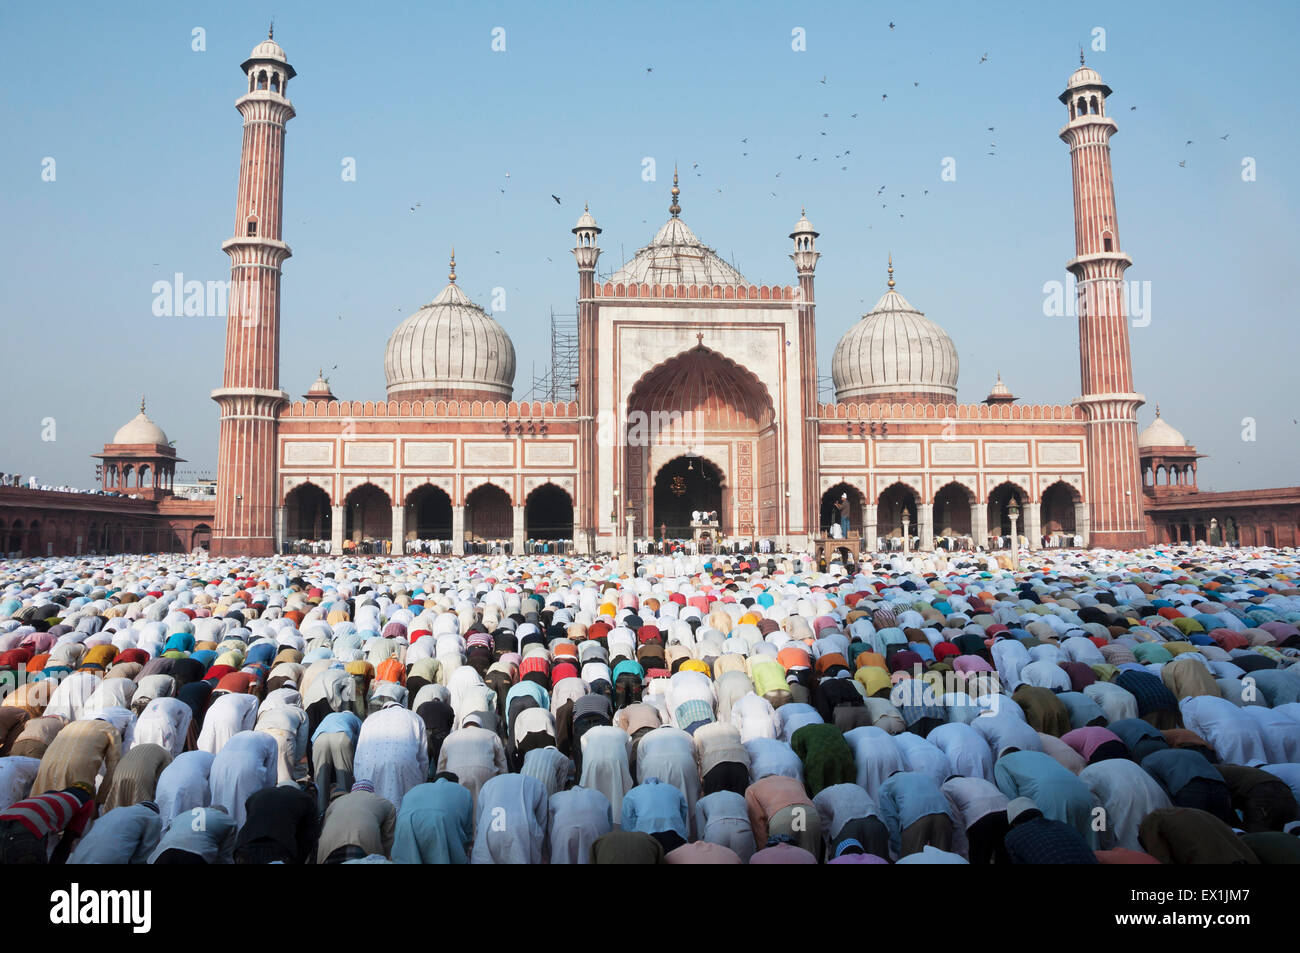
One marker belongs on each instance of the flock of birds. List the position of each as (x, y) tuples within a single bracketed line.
[(808, 156)]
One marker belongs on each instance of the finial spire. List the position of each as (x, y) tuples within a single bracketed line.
[(452, 276), (1157, 409), (1081, 63), (270, 33), (891, 271), (675, 209), (142, 404)]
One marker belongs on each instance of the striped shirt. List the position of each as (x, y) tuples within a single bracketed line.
[(50, 813)]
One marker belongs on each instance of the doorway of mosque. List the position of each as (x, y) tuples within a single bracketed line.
[(682, 486)]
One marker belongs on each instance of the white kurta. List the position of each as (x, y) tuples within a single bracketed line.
[(1127, 794), (605, 765), (183, 785), (245, 765), (227, 716), (392, 752), (164, 722)]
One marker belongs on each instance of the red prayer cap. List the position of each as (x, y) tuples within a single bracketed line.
[(535, 663), (562, 671)]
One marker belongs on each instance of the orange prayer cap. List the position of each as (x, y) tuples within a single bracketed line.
[(791, 657), (564, 648), (695, 665), (830, 659), (37, 662), (608, 609), (391, 670), (748, 619), (872, 658)]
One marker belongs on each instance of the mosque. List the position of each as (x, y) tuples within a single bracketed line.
[(725, 370), (697, 390)]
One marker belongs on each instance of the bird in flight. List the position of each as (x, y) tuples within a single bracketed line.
[(891, 24), (984, 58), (823, 80), (1224, 137), (884, 96), (854, 116), (1132, 109), (557, 199), (649, 69), (1188, 142)]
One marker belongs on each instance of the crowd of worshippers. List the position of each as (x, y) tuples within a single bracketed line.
[(1088, 708)]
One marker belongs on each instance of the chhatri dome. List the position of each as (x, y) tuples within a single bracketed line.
[(676, 257), (895, 353), (141, 430), (1160, 434), (450, 348)]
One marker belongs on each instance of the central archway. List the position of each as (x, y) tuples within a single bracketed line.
[(683, 486), (694, 405)]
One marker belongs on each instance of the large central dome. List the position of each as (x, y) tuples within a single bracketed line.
[(895, 353), (675, 256), (451, 348)]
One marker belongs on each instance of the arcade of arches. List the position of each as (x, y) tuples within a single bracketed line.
[(53, 523), (367, 522), (954, 517)]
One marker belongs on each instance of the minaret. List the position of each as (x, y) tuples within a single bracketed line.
[(805, 257), (586, 252), (250, 396), (1106, 365)]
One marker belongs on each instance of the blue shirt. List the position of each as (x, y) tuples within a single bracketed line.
[(905, 798), (341, 722), (653, 807)]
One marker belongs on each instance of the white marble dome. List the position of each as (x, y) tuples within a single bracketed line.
[(894, 352), (450, 348), (1161, 434), (140, 429), (1084, 76)]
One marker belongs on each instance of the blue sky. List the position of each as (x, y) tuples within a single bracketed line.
[(146, 141)]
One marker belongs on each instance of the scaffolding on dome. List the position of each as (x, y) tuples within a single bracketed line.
[(558, 381)]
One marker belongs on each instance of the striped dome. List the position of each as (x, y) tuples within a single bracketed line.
[(895, 352), (450, 348)]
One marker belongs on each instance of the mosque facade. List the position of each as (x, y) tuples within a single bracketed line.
[(697, 390)]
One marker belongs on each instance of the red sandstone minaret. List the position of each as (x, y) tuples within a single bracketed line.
[(805, 257), (586, 252), (1108, 399), (250, 396)]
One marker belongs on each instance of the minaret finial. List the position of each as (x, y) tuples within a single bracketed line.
[(452, 276), (675, 209), (270, 33), (142, 403), (1157, 409), (1081, 63), (891, 271)]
